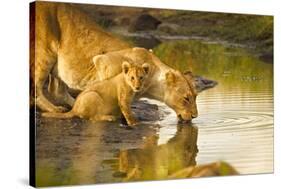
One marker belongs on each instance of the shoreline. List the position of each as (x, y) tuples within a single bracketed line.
[(164, 37)]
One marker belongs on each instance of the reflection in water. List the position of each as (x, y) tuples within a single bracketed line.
[(235, 124), (158, 162), (236, 117), (96, 153)]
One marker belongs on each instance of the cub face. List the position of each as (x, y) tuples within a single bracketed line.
[(135, 75)]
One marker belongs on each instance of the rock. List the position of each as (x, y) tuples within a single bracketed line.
[(145, 111), (200, 82), (144, 22), (147, 42)]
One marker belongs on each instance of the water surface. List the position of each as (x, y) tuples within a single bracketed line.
[(235, 120), (235, 124)]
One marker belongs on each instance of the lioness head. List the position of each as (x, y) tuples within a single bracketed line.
[(135, 74), (180, 95)]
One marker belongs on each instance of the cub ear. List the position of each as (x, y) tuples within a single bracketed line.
[(146, 67), (126, 66), (170, 78), (97, 58)]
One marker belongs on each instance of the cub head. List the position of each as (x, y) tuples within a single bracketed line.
[(180, 95), (135, 75)]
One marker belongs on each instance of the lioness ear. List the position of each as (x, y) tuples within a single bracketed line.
[(146, 67), (170, 78), (190, 77), (125, 66), (188, 74)]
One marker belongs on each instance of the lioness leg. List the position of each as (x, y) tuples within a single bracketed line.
[(47, 38), (59, 91), (42, 70)]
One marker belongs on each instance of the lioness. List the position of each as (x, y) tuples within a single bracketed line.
[(164, 83), (101, 100), (66, 41)]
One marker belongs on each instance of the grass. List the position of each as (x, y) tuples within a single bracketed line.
[(253, 30)]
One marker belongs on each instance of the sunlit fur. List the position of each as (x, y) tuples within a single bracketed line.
[(181, 96), (102, 101), (74, 50)]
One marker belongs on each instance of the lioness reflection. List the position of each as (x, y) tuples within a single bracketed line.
[(157, 162)]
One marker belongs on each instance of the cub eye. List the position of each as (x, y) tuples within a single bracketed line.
[(141, 77), (132, 78)]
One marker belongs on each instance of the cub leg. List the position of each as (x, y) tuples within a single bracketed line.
[(125, 106), (59, 91)]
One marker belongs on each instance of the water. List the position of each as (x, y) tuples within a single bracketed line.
[(235, 120), (236, 117), (236, 127), (235, 124)]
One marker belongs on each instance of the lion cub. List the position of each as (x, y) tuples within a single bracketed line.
[(102, 101)]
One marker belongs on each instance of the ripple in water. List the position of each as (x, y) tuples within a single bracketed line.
[(236, 127)]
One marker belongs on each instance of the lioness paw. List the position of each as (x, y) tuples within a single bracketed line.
[(108, 118), (60, 109), (111, 118)]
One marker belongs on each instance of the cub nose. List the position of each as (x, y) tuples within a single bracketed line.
[(137, 88)]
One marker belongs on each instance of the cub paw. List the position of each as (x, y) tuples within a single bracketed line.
[(132, 122)]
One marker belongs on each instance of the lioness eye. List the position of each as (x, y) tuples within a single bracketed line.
[(186, 99), (141, 77), (132, 78)]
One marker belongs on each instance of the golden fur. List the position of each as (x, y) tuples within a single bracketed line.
[(66, 42), (163, 84), (100, 101)]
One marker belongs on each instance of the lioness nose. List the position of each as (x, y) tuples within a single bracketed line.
[(137, 88)]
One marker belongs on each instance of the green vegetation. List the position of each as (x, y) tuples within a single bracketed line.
[(229, 66), (253, 30)]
